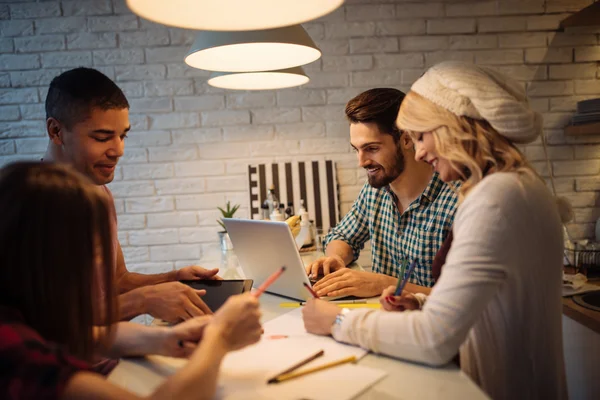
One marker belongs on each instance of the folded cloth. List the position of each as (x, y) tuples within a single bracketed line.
[(576, 284), (574, 281)]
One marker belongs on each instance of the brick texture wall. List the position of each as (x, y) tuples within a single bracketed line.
[(190, 143)]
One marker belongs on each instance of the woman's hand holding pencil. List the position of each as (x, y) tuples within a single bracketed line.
[(406, 301), (392, 298)]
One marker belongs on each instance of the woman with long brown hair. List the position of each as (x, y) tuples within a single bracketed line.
[(55, 255), (497, 300)]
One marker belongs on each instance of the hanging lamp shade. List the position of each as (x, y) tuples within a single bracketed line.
[(262, 50), (259, 80), (232, 15)]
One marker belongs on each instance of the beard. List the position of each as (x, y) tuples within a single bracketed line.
[(385, 176)]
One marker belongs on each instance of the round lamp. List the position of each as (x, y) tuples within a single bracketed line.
[(262, 50), (259, 80), (232, 15)]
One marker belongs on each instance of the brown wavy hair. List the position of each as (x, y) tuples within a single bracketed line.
[(53, 232), (379, 106), (472, 146)]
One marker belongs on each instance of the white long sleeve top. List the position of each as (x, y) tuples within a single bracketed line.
[(498, 299)]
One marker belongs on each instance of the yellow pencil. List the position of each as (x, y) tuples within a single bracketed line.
[(293, 375), (343, 305)]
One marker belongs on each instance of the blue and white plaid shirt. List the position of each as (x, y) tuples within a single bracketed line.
[(416, 233)]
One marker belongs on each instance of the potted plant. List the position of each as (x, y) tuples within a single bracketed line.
[(227, 212)]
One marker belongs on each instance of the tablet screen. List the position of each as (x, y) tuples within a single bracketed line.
[(217, 292)]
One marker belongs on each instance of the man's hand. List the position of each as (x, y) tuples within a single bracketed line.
[(194, 272), (406, 301), (319, 316), (326, 265), (174, 301), (349, 282)]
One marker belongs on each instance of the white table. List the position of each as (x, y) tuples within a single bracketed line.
[(404, 380)]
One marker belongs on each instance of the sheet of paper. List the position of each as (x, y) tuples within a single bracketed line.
[(285, 342), (244, 373), (340, 383)]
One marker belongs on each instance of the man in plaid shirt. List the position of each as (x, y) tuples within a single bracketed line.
[(404, 209)]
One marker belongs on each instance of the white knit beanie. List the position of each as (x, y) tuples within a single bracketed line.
[(481, 93)]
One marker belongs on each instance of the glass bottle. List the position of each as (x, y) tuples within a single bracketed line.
[(272, 201), (264, 211)]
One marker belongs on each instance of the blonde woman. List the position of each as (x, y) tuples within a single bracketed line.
[(497, 301)]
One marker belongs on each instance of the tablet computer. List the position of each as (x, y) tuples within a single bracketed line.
[(217, 292)]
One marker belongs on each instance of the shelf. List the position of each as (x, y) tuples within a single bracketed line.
[(584, 129)]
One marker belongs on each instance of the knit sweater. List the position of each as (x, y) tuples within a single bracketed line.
[(498, 299)]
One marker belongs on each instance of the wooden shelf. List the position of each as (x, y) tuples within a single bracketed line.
[(584, 129)]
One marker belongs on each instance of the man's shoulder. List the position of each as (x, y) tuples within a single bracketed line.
[(106, 190)]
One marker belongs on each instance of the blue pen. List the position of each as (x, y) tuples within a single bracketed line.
[(400, 287)]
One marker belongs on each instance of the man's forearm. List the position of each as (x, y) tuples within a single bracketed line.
[(341, 249), (388, 281), (130, 280), (132, 304), (412, 288)]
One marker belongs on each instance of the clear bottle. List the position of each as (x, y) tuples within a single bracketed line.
[(302, 212), (264, 211), (305, 225), (272, 200), (282, 209)]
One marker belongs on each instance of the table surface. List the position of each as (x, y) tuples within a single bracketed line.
[(404, 380), (585, 316)]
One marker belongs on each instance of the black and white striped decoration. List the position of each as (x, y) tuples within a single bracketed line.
[(315, 182)]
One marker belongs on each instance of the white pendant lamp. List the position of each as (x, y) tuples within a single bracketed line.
[(262, 50), (259, 80), (232, 15)]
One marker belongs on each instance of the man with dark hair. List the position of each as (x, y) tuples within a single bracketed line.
[(87, 121), (404, 209)]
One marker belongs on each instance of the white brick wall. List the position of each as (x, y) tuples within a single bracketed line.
[(190, 144)]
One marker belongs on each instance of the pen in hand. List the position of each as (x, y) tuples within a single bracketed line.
[(400, 288), (403, 280)]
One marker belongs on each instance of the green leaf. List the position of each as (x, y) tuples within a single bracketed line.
[(229, 211)]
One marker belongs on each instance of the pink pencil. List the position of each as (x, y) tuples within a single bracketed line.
[(261, 289), (314, 294)]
